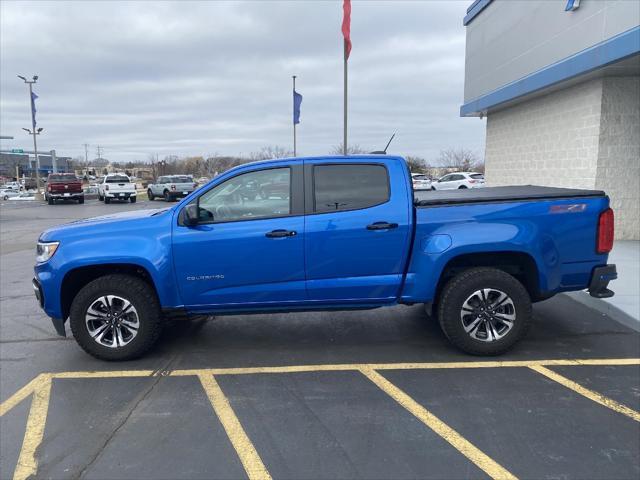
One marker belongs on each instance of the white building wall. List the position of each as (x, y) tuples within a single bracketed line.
[(585, 136), (618, 171), (551, 140)]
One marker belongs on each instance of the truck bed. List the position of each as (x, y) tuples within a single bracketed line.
[(426, 198)]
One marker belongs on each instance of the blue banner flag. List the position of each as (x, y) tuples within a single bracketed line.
[(297, 101), (33, 109)]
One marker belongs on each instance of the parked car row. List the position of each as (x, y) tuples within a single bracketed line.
[(451, 181)]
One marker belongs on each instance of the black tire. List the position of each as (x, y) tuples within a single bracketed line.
[(81, 200), (150, 195), (143, 299), (107, 200), (50, 201), (132, 199), (100, 198), (462, 187), (167, 197), (5, 198), (433, 188), (461, 288)]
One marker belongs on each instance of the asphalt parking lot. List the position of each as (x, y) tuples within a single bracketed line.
[(375, 394)]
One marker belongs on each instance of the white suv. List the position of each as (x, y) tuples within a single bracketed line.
[(456, 180), (420, 181)]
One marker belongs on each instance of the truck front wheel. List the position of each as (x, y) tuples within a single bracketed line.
[(484, 311), (150, 195), (116, 317)]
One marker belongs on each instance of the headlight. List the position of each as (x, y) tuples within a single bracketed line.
[(45, 250)]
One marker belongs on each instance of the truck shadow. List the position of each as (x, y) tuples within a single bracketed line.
[(562, 328)]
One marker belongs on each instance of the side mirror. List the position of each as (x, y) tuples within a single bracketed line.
[(191, 216)]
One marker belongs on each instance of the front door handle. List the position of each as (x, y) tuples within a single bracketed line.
[(382, 226), (281, 233)]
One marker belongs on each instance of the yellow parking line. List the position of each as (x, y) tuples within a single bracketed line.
[(106, 374), (483, 461), (585, 392), (345, 367), (34, 431), (20, 395), (249, 457)]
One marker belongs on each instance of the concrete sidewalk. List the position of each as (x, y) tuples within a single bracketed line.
[(624, 306)]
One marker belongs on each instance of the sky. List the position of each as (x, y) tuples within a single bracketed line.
[(206, 78)]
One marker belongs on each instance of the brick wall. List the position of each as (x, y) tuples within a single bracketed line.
[(584, 136)]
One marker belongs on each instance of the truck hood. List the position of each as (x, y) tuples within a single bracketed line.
[(92, 225)]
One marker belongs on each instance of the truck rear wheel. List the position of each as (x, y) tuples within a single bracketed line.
[(116, 317), (81, 200), (484, 311), (50, 201), (107, 200), (167, 196), (132, 199)]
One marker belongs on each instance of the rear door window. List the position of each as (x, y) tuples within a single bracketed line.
[(349, 187), (117, 179), (477, 176)]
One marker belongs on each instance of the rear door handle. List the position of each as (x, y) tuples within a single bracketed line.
[(382, 226), (281, 233)]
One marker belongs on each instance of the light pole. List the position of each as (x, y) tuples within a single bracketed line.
[(33, 130)]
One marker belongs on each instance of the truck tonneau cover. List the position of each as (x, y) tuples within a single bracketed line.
[(498, 194)]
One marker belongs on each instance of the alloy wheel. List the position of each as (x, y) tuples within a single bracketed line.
[(112, 321), (488, 315)]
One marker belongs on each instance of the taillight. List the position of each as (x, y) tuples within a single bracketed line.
[(49, 187), (473, 181), (173, 187), (605, 232)]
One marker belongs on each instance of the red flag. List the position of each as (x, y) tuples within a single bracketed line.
[(346, 27)]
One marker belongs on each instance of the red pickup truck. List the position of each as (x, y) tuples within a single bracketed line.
[(63, 186)]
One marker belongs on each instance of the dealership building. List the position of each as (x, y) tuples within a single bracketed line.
[(559, 84)]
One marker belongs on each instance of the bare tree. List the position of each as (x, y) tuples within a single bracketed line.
[(351, 149), (270, 152), (416, 164), (459, 159)]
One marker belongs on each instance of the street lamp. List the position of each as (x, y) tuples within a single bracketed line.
[(34, 131)]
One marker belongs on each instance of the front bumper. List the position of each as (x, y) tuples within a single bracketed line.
[(600, 278), (58, 323)]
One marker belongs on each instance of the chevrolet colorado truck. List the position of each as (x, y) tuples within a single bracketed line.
[(349, 234), (116, 186), (63, 186), (171, 187)]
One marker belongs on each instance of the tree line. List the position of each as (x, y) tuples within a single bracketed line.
[(451, 159)]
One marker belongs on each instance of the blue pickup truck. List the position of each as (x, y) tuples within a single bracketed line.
[(327, 233)]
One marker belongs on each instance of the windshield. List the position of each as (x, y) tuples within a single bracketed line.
[(67, 177), (181, 179), (117, 179)]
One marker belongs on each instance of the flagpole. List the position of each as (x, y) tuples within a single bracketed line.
[(344, 139), (294, 122)]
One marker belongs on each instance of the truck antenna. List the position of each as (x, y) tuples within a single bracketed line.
[(384, 152)]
